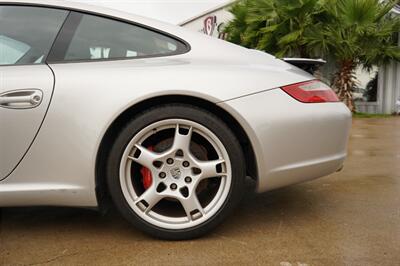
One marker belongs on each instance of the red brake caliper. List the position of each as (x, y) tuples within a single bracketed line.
[(146, 174)]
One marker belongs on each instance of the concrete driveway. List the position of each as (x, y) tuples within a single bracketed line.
[(349, 218)]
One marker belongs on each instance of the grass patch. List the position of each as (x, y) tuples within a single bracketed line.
[(365, 115)]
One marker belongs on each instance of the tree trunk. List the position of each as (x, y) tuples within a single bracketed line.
[(344, 81)]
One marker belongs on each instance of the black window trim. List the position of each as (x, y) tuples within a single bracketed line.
[(185, 45), (61, 43)]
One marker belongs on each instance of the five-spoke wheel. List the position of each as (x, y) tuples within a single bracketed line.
[(177, 172)]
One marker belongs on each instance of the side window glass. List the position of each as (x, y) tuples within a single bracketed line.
[(102, 38), (12, 50), (27, 33)]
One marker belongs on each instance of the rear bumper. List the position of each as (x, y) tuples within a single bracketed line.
[(293, 141)]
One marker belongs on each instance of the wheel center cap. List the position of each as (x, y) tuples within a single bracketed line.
[(176, 173)]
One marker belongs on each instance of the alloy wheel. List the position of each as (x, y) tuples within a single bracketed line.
[(189, 170)]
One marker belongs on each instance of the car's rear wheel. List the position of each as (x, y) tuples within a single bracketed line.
[(176, 171)]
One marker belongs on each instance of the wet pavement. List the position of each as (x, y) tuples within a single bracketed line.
[(348, 218)]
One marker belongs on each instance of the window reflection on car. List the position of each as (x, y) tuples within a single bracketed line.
[(11, 50)]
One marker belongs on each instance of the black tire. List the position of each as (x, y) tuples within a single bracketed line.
[(177, 111)]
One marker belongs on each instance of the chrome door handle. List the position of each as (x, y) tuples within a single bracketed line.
[(21, 99)]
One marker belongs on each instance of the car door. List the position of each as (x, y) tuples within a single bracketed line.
[(26, 82)]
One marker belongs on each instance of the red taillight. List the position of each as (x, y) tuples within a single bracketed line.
[(313, 91)]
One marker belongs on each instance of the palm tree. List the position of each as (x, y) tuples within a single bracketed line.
[(355, 33), (275, 26), (238, 25), (351, 32)]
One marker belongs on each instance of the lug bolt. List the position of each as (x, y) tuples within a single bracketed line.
[(188, 179), (185, 164), (170, 161), (173, 186), (162, 175)]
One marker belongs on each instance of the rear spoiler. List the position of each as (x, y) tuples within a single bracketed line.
[(309, 65)]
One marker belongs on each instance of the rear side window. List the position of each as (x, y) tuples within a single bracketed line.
[(27, 33), (99, 38)]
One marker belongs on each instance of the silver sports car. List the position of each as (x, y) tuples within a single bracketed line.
[(99, 106)]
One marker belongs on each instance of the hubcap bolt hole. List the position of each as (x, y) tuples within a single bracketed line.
[(170, 161), (173, 186), (162, 175), (185, 164), (188, 179)]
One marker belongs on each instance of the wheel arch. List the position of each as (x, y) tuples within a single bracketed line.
[(109, 136)]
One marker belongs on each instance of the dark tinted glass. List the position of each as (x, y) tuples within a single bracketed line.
[(27, 33), (102, 38)]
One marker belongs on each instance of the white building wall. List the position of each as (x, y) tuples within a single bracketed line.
[(388, 91), (389, 88), (211, 23)]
